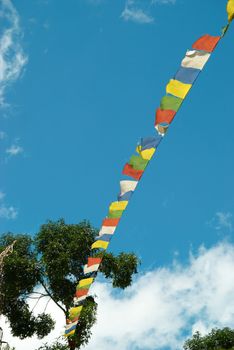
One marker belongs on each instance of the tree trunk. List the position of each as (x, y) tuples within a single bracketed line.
[(71, 344)]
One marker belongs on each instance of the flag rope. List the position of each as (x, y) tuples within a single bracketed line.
[(176, 91)]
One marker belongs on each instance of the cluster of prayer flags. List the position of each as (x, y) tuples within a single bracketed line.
[(134, 169), (177, 90), (180, 85)]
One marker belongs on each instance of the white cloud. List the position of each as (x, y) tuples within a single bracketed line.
[(12, 57), (34, 343), (132, 12), (14, 150), (7, 212), (165, 303), (161, 306)]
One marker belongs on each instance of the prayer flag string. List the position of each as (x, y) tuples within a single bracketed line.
[(176, 91)]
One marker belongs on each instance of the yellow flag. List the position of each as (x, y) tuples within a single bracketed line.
[(100, 244), (230, 10), (178, 89), (75, 312), (71, 333), (86, 281), (146, 153), (118, 205)]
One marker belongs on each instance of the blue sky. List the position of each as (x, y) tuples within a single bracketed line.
[(89, 77)]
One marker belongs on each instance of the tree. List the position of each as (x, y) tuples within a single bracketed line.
[(7, 251), (217, 339), (55, 346), (50, 264)]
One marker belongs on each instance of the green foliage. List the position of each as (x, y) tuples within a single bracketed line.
[(20, 277), (86, 321), (64, 249), (52, 262), (120, 268), (55, 346), (217, 339)]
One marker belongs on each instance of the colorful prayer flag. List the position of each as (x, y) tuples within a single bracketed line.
[(110, 222), (126, 196), (115, 214), (107, 229), (74, 312), (164, 116), (171, 103), (94, 261), (105, 237), (118, 205), (135, 174), (150, 142), (90, 269), (85, 282), (230, 10), (195, 59), (127, 185), (99, 244), (178, 89), (138, 163), (146, 154), (206, 43)]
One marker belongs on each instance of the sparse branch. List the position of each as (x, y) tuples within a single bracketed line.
[(46, 305), (51, 296), (39, 298), (30, 295)]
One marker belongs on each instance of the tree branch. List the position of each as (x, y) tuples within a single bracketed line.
[(51, 296), (46, 305), (36, 303), (41, 296), (30, 295)]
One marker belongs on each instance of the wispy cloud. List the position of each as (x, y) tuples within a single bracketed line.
[(132, 12), (161, 306), (139, 11), (2, 195), (14, 150), (12, 56), (222, 221), (7, 212), (164, 2), (3, 135)]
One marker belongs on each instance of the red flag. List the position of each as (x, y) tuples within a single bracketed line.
[(128, 170), (164, 116), (81, 292), (93, 261), (206, 43), (110, 222)]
